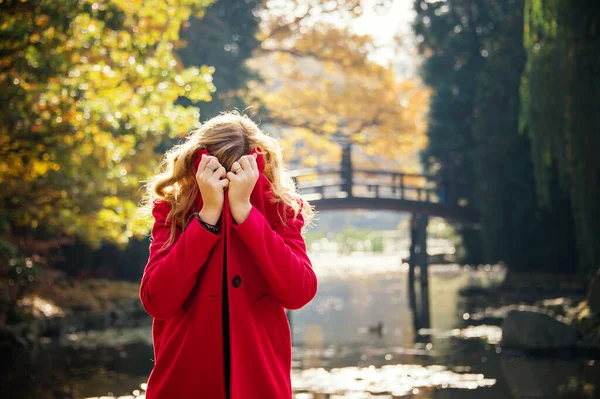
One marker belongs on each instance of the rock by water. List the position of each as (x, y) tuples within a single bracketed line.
[(593, 298), (536, 331)]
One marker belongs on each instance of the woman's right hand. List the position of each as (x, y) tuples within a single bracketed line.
[(212, 180)]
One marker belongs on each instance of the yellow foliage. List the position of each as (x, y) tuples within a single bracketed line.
[(91, 87), (368, 105), (319, 84)]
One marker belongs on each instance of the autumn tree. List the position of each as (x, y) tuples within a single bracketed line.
[(223, 36), (88, 91), (322, 102), (320, 86)]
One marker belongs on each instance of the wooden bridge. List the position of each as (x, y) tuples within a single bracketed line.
[(349, 188), (346, 187), (332, 189)]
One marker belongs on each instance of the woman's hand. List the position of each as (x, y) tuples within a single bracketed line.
[(211, 182), (242, 178)]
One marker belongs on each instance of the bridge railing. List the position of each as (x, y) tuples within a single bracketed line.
[(320, 183)]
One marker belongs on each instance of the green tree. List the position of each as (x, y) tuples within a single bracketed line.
[(475, 65), (559, 92), (225, 37), (517, 230)]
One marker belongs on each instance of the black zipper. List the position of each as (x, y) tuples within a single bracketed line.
[(225, 317)]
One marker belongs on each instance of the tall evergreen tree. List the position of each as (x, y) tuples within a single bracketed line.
[(224, 38), (448, 37)]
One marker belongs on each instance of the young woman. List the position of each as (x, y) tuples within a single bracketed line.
[(226, 259)]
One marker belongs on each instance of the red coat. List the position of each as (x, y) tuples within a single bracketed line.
[(267, 270)]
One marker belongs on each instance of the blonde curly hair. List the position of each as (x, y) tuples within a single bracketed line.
[(228, 137)]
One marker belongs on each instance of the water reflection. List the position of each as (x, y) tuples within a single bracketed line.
[(396, 380), (491, 334), (359, 338)]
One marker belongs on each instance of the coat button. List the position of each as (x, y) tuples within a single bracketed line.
[(237, 281)]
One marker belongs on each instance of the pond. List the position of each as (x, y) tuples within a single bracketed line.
[(359, 338)]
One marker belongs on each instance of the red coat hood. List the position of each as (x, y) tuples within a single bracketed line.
[(260, 159), (262, 195)]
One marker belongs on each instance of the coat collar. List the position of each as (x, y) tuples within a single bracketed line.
[(262, 195), (260, 159)]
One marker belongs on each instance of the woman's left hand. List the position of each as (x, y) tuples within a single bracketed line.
[(242, 179)]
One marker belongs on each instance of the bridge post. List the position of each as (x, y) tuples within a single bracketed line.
[(346, 168), (401, 185), (412, 261), (424, 270), (418, 256), (289, 317)]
